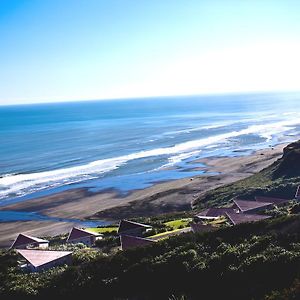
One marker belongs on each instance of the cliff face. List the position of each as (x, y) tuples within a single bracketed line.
[(289, 165)]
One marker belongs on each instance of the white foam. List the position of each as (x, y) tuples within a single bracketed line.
[(218, 125), (194, 129), (17, 184), (180, 157)]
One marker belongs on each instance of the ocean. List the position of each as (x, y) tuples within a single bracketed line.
[(131, 144)]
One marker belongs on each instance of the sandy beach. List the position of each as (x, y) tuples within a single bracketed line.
[(171, 196)]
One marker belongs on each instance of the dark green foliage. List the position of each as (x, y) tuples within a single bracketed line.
[(253, 260), (281, 210), (292, 292), (295, 209), (86, 255), (57, 240), (108, 243)]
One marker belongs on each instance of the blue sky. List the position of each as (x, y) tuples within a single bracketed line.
[(58, 50)]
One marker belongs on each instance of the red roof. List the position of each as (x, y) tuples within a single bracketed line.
[(128, 241), (214, 212), (130, 225), (238, 218), (24, 239), (77, 233), (246, 205), (41, 257), (275, 201)]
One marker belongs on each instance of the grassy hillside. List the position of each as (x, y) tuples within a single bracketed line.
[(279, 180)]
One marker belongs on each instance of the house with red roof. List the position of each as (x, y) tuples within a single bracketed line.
[(40, 260), (248, 206), (24, 241), (80, 235), (132, 228), (275, 201), (238, 218), (129, 241)]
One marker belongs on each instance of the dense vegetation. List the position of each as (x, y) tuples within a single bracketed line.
[(278, 180), (260, 260)]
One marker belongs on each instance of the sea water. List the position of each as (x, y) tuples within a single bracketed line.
[(133, 143)]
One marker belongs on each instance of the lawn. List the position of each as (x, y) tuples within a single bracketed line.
[(103, 229), (178, 223), (165, 234)]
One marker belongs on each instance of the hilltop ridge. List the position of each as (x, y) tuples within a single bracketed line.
[(289, 165)]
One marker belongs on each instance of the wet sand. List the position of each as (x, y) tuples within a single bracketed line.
[(171, 196)]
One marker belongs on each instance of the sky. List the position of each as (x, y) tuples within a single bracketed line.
[(61, 50)]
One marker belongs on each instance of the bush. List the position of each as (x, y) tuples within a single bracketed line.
[(265, 254)]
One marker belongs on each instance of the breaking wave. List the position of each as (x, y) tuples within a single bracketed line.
[(20, 184)]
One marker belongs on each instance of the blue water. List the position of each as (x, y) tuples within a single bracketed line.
[(131, 144)]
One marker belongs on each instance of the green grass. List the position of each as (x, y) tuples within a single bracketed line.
[(175, 224), (103, 229), (164, 234)]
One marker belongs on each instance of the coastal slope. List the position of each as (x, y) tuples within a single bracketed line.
[(279, 179)]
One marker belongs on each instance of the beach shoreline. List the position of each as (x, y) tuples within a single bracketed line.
[(165, 197)]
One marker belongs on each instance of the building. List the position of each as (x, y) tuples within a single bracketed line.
[(129, 241), (39, 260), (275, 201), (79, 235), (297, 195), (24, 241), (132, 228), (212, 213), (246, 206), (238, 218)]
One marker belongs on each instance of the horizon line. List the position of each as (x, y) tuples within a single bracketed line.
[(152, 97)]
